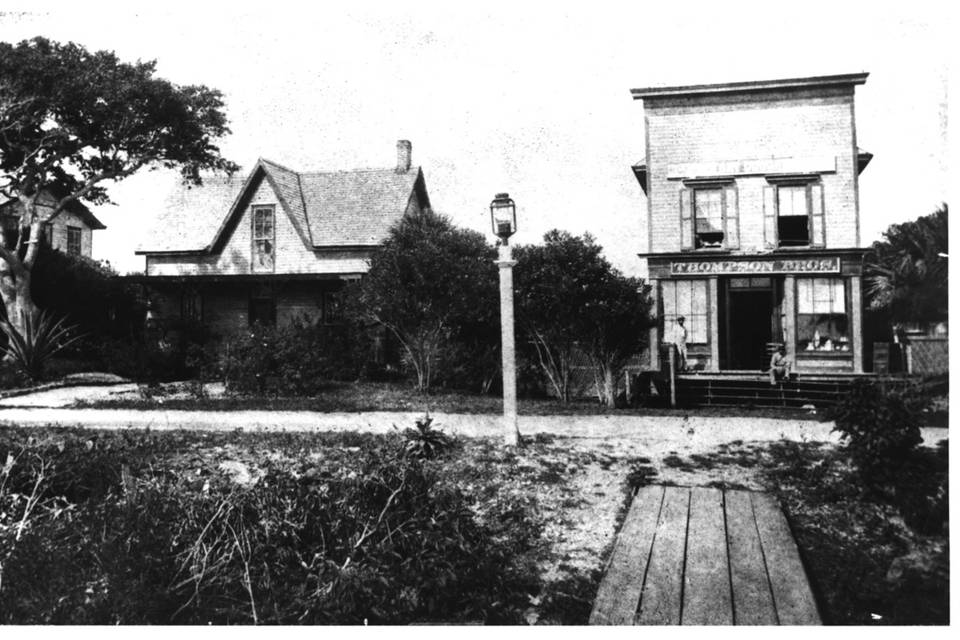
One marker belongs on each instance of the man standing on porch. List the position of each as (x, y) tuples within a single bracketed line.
[(680, 341)]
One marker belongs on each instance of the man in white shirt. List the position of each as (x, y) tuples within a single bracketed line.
[(680, 341), (779, 365)]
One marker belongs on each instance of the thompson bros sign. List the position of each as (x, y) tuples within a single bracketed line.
[(779, 265)]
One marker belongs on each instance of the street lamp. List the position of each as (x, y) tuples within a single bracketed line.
[(503, 220)]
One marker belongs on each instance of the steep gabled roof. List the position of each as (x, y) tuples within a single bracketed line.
[(356, 208), (192, 215), (13, 207), (328, 210)]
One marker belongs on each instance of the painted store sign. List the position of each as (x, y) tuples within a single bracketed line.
[(779, 265)]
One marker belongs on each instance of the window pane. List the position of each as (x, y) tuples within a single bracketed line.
[(683, 297), (792, 201), (669, 292), (708, 206), (821, 315), (804, 295)]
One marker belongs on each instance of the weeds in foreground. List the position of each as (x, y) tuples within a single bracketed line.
[(92, 531)]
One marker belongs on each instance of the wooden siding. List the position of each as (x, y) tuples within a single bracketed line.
[(796, 131), (58, 237), (292, 255)]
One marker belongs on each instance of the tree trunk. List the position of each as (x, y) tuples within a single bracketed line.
[(15, 292), (609, 388)]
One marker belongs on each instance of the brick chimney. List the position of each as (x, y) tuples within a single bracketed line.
[(404, 151)]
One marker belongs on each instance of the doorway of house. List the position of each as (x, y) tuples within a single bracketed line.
[(749, 313)]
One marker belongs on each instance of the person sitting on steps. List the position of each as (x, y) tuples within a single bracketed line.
[(779, 366)]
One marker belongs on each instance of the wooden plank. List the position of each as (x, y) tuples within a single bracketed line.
[(619, 592), (752, 599), (788, 580), (706, 579), (660, 600)]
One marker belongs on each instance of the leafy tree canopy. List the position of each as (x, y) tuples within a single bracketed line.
[(571, 298), (72, 121), (906, 271), (74, 118), (431, 284)]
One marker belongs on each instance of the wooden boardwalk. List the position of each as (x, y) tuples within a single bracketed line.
[(700, 556)]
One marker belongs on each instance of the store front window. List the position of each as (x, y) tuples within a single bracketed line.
[(822, 322), (686, 298)]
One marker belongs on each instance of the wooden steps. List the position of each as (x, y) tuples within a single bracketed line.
[(703, 556), (756, 390)]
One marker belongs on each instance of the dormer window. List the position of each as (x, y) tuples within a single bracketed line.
[(263, 238), (708, 215)]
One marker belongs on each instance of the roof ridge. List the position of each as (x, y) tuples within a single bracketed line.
[(263, 160), (365, 170)]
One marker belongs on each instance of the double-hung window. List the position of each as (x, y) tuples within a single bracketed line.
[(793, 214), (263, 238), (708, 216), (822, 315), (74, 245)]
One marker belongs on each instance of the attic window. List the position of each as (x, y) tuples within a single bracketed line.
[(263, 238), (73, 240)]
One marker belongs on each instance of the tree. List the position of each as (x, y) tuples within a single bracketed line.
[(570, 300), (72, 121), (906, 272), (618, 320), (431, 284)]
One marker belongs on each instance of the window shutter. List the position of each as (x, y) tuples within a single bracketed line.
[(686, 219), (731, 218), (770, 217), (817, 228)]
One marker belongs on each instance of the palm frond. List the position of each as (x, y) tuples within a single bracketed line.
[(43, 335)]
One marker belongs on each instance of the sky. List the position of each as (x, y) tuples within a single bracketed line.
[(528, 98)]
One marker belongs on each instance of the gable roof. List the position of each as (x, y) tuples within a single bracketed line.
[(328, 210), (13, 207)]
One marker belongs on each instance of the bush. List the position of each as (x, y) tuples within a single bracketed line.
[(376, 536), (880, 427), (425, 442), (43, 336)]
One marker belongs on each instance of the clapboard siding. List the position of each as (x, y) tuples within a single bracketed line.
[(804, 129), (292, 255)]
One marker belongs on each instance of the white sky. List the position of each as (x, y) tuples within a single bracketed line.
[(529, 98)]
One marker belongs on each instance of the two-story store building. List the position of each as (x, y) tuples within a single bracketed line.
[(753, 213)]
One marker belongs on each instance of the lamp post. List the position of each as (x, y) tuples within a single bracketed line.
[(503, 219)]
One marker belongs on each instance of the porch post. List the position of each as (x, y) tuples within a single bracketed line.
[(713, 290), (790, 318), (856, 324), (653, 339)]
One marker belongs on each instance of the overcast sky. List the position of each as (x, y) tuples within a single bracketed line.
[(529, 98)]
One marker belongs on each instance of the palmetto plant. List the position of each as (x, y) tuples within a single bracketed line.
[(906, 272), (42, 337)]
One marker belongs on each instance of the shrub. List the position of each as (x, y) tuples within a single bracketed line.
[(42, 337), (289, 360), (425, 442), (374, 537), (880, 429), (300, 358)]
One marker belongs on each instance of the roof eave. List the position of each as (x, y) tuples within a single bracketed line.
[(750, 85), (640, 171)]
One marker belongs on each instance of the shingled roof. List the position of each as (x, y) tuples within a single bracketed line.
[(328, 210)]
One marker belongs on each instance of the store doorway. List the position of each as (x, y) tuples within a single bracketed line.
[(749, 319)]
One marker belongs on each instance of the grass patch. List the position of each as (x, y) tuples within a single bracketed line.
[(371, 396)]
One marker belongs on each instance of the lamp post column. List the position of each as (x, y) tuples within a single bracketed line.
[(511, 433)]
